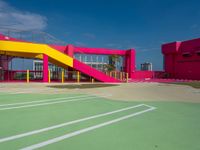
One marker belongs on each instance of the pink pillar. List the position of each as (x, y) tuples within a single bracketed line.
[(70, 50), (130, 62), (4, 63), (45, 68)]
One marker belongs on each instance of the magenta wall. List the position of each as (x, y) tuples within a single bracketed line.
[(182, 59), (142, 74), (100, 51), (129, 55), (129, 63)]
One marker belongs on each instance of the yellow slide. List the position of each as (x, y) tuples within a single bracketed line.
[(34, 50)]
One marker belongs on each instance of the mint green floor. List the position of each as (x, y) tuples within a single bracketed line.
[(172, 126)]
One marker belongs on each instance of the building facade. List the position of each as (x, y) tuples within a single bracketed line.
[(182, 59), (146, 66)]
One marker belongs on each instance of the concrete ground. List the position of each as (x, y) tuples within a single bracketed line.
[(125, 91)]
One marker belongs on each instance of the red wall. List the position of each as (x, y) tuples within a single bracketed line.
[(129, 63), (182, 59), (142, 74)]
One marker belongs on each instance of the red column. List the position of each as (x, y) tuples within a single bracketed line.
[(130, 62), (45, 68), (70, 51)]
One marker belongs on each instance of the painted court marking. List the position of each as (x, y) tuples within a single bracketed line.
[(29, 91), (51, 103), (44, 100), (78, 132), (69, 123), (12, 93)]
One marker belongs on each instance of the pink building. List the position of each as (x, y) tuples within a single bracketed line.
[(87, 68), (182, 59)]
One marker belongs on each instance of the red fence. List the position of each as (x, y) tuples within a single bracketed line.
[(148, 74)]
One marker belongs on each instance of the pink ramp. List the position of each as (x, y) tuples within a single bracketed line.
[(86, 69)]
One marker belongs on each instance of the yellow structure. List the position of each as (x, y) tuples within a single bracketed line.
[(62, 77), (121, 77), (32, 50), (78, 76), (27, 76), (127, 77), (49, 76)]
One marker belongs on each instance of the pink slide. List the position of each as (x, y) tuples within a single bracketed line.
[(86, 69)]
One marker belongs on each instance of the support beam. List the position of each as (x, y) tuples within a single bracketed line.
[(130, 62), (127, 77), (78, 76), (62, 77), (27, 76), (49, 76), (121, 76), (115, 75)]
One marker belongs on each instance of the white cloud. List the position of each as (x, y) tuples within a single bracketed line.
[(11, 17)]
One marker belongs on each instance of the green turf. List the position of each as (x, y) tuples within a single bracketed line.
[(172, 126)]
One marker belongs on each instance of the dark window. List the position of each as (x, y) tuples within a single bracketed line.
[(186, 54), (198, 53)]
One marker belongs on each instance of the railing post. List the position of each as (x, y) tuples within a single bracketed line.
[(126, 77), (27, 76), (121, 76), (110, 74), (78, 76), (63, 80), (115, 75), (49, 76)]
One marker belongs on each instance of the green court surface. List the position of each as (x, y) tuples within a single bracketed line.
[(86, 122)]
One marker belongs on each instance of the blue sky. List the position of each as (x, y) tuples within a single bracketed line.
[(120, 24)]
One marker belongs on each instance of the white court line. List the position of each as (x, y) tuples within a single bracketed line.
[(44, 100), (33, 91), (12, 93), (50, 103), (30, 91), (21, 92), (78, 132), (66, 124)]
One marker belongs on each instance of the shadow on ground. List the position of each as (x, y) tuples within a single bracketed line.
[(192, 84), (81, 86)]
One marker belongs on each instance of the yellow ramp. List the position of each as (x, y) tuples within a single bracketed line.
[(34, 48)]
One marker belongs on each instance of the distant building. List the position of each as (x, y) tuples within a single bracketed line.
[(146, 66)]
